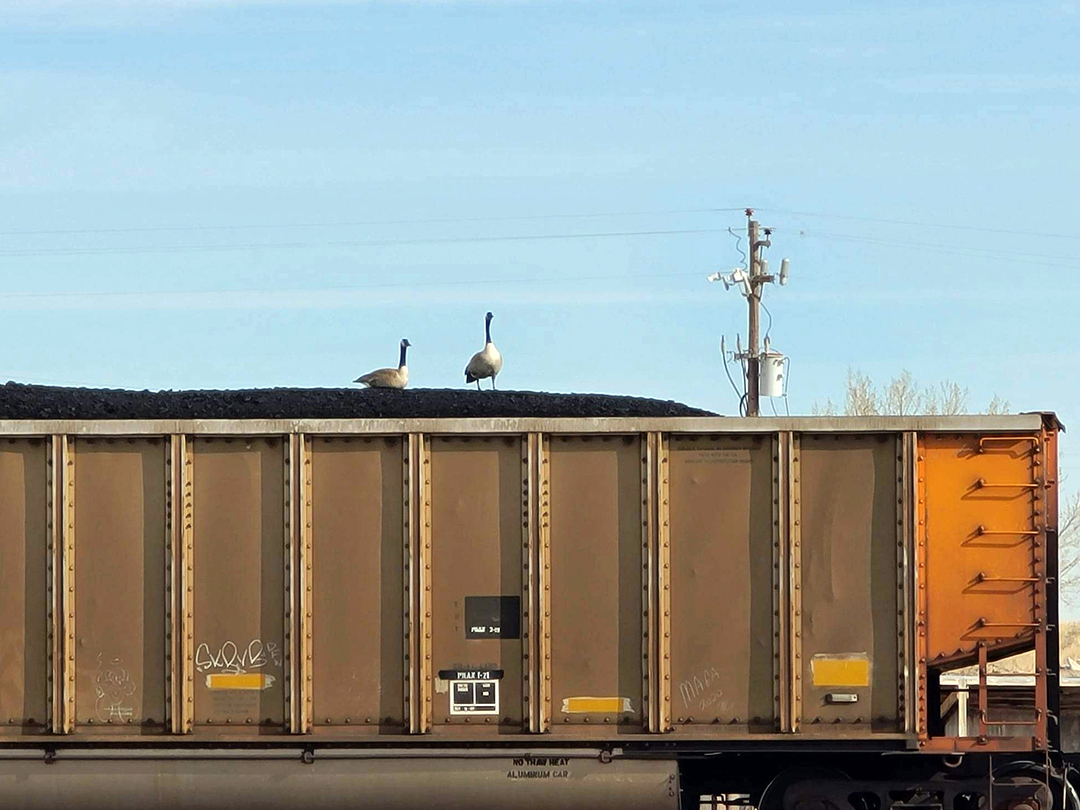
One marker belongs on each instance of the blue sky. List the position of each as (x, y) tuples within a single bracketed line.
[(207, 193)]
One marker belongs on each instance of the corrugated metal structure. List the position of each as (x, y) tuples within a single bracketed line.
[(616, 586)]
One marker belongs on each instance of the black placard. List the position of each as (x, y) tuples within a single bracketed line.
[(492, 617), (471, 674)]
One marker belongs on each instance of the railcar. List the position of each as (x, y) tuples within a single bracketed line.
[(529, 612)]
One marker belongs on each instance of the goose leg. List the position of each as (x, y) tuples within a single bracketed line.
[(493, 382), (478, 385)]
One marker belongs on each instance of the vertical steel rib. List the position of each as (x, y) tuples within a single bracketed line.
[(661, 603), (305, 593)]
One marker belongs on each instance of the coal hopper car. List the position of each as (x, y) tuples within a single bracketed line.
[(611, 611)]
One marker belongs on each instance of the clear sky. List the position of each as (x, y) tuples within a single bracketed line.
[(205, 193)]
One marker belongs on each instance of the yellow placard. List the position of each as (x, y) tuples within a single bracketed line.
[(242, 680), (596, 705), (851, 669)]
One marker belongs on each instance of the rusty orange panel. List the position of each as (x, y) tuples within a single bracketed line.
[(23, 600), (596, 580), (983, 498), (357, 601), (476, 558), (239, 566), (120, 584), (848, 492), (721, 515)]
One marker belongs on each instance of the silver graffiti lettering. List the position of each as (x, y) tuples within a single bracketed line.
[(230, 658)]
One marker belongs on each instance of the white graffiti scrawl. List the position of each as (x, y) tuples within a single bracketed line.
[(112, 687), (231, 658)]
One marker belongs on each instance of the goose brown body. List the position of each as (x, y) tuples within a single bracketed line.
[(487, 362), (388, 377)]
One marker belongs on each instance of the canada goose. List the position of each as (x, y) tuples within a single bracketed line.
[(485, 363), (388, 377)]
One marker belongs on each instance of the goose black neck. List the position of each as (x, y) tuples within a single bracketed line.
[(403, 348), (487, 330)]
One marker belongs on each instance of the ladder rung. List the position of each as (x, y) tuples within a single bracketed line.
[(1011, 439), (981, 577), (982, 483), (982, 530)]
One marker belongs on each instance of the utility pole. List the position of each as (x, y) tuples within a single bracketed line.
[(750, 283), (753, 367)]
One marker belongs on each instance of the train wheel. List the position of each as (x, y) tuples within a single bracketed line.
[(772, 798)]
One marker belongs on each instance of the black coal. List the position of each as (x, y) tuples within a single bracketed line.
[(18, 401)]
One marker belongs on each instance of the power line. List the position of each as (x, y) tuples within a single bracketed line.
[(338, 288), (365, 223), (107, 251), (945, 225), (973, 252)]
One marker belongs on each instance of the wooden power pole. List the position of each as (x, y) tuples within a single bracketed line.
[(750, 283), (753, 366)]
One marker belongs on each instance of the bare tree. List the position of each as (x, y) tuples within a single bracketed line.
[(901, 395), (861, 398), (947, 399), (1069, 549), (828, 409)]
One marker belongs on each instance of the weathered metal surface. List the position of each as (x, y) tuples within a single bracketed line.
[(987, 537), (723, 656), (24, 630), (342, 780), (543, 580), (905, 605), (791, 566), (64, 481), (596, 591), (849, 576), (239, 588), (356, 552), (303, 603), (290, 560), (983, 501), (530, 536), (120, 584), (658, 679), (794, 566), (477, 558), (421, 445), (1011, 423), (410, 497), (184, 461)]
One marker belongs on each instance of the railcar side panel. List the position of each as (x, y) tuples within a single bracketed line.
[(723, 548), (476, 561), (596, 581), (24, 533), (846, 564), (239, 575), (120, 572), (358, 557)]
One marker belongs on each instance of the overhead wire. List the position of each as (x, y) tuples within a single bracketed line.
[(364, 223), (338, 288), (995, 254), (91, 251), (952, 226)]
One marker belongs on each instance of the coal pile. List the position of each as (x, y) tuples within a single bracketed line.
[(18, 401)]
